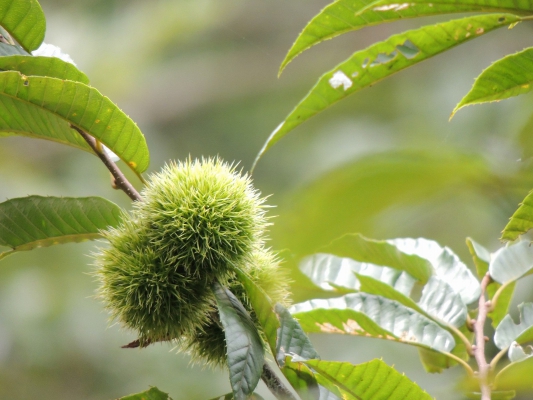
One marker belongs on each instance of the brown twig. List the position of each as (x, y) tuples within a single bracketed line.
[(479, 348), (274, 384), (120, 180)]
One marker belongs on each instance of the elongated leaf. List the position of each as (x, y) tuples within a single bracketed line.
[(521, 221), (24, 20), (230, 396), (512, 262), (371, 285), (383, 253), (383, 59), (441, 301), (446, 265), (52, 67), (349, 15), (481, 257), (36, 221), (264, 310), (46, 107), (334, 273), (507, 77), (508, 332), (292, 340), (151, 394), (370, 315), (244, 346), (368, 381)]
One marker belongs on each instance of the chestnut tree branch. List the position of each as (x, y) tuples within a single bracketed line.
[(120, 180), (479, 348)]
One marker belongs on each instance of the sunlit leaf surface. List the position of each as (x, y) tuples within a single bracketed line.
[(36, 221), (383, 59), (512, 262), (508, 332), (45, 108), (24, 20), (368, 381), (508, 77)]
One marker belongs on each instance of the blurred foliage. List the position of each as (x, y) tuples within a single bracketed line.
[(200, 78)]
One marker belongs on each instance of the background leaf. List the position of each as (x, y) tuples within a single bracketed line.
[(507, 77), (383, 59), (371, 380), (24, 20), (244, 346), (45, 107), (515, 376), (36, 221)]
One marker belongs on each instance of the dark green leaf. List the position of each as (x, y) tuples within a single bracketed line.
[(151, 394), (292, 340), (349, 15), (36, 221), (370, 315), (508, 332), (381, 252), (45, 107), (368, 381), (383, 59), (522, 219), (330, 272), (244, 346), (512, 262), (24, 20), (51, 67), (264, 310), (507, 77)]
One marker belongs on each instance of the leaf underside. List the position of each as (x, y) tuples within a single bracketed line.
[(36, 221), (508, 332), (512, 262)]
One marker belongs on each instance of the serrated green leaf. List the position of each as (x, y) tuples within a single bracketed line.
[(45, 108), (381, 252), (508, 332), (373, 380), (349, 15), (370, 315), (25, 22), (481, 257), (515, 376), (334, 273), (292, 339), (264, 310), (51, 67), (512, 262), (36, 221), (244, 345), (383, 59), (521, 221), (510, 76), (446, 265), (151, 394)]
